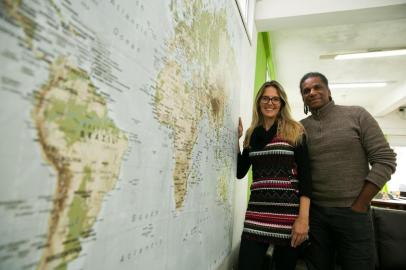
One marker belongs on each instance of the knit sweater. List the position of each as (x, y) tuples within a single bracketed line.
[(342, 142), (274, 202)]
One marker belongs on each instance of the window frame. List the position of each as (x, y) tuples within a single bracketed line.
[(246, 10)]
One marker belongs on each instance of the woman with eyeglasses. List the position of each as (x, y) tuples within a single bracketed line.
[(278, 208)]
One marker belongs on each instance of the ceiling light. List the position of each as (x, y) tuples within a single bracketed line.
[(357, 85), (370, 54)]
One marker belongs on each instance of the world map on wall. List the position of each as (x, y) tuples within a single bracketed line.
[(119, 138)]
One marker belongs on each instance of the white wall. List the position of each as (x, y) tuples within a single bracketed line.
[(287, 8), (393, 126), (398, 179), (273, 15)]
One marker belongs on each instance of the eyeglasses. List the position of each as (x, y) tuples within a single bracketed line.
[(274, 100)]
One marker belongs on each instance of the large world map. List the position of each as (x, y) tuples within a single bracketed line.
[(119, 122)]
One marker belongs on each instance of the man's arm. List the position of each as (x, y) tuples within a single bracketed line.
[(379, 154), (361, 204)]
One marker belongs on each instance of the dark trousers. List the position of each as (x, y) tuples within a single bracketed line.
[(253, 256), (341, 232)]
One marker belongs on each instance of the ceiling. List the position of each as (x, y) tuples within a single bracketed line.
[(298, 41)]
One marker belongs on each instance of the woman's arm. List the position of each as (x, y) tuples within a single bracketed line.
[(243, 160), (303, 168), (243, 163), (300, 227)]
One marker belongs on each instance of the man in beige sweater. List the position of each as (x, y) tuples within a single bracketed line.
[(350, 161)]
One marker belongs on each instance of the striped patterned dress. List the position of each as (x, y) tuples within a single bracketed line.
[(274, 202)]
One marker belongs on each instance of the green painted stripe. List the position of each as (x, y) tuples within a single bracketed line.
[(263, 60)]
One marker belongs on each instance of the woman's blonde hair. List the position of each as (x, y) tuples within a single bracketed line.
[(288, 129)]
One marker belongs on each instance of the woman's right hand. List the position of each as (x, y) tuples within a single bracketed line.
[(240, 128)]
